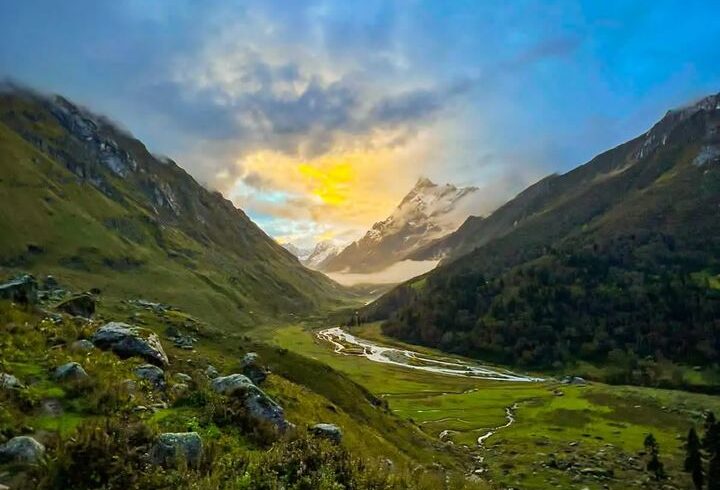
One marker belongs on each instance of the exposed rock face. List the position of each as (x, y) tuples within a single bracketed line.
[(328, 431), (252, 369), (128, 341), (153, 374), (83, 345), (258, 404), (81, 305), (70, 370), (21, 290), (22, 449), (174, 446), (211, 372), (8, 381)]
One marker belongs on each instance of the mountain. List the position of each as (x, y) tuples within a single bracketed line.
[(83, 198), (427, 212), (324, 251), (299, 252), (614, 261)]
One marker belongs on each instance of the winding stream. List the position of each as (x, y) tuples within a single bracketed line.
[(347, 344)]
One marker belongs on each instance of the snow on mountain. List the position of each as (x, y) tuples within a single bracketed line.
[(299, 252), (324, 250), (427, 212)]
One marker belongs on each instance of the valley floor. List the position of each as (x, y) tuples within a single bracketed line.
[(563, 435)]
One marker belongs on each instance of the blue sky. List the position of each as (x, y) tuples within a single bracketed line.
[(317, 117)]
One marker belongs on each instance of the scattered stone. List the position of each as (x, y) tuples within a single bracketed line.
[(183, 378), (22, 449), (128, 341), (258, 404), (172, 447), (82, 305), (211, 372), (70, 370), (9, 382), (328, 431), (252, 369), (153, 374), (573, 380), (180, 389), (601, 472), (82, 345), (21, 290)]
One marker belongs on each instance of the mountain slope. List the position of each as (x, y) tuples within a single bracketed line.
[(617, 258), (81, 197), (427, 212)]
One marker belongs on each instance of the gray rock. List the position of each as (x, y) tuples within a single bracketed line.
[(22, 449), (258, 404), (153, 374), (9, 382), (128, 341), (83, 345), (180, 389), (328, 431), (211, 372), (172, 447), (183, 378), (50, 283), (70, 370), (252, 369), (21, 290), (81, 305)]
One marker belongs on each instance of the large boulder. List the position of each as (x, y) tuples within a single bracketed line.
[(9, 382), (211, 372), (21, 449), (21, 290), (171, 447), (258, 404), (129, 341), (81, 305), (252, 369), (328, 431), (152, 374), (70, 371)]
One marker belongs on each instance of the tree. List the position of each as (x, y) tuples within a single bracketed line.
[(654, 465), (711, 443), (693, 459)]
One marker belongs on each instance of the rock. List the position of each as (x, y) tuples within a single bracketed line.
[(128, 341), (252, 369), (9, 382), (211, 372), (601, 472), (258, 404), (573, 380), (50, 283), (328, 431), (70, 370), (173, 446), (153, 374), (81, 305), (82, 345), (22, 449), (180, 389), (21, 290), (182, 378)]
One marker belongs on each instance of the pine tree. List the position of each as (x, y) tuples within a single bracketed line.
[(654, 465), (693, 459)]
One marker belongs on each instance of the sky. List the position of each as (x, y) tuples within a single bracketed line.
[(317, 117)]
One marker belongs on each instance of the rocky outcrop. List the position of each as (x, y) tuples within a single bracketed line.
[(173, 447), (258, 404), (21, 290), (128, 341), (153, 374), (211, 372), (329, 431), (80, 305), (252, 368), (9, 382), (70, 371), (21, 449)]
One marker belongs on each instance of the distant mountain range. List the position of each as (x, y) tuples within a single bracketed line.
[(616, 259), (85, 199), (428, 212), (314, 257)]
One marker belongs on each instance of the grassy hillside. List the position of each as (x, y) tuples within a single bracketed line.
[(612, 263), (84, 200)]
